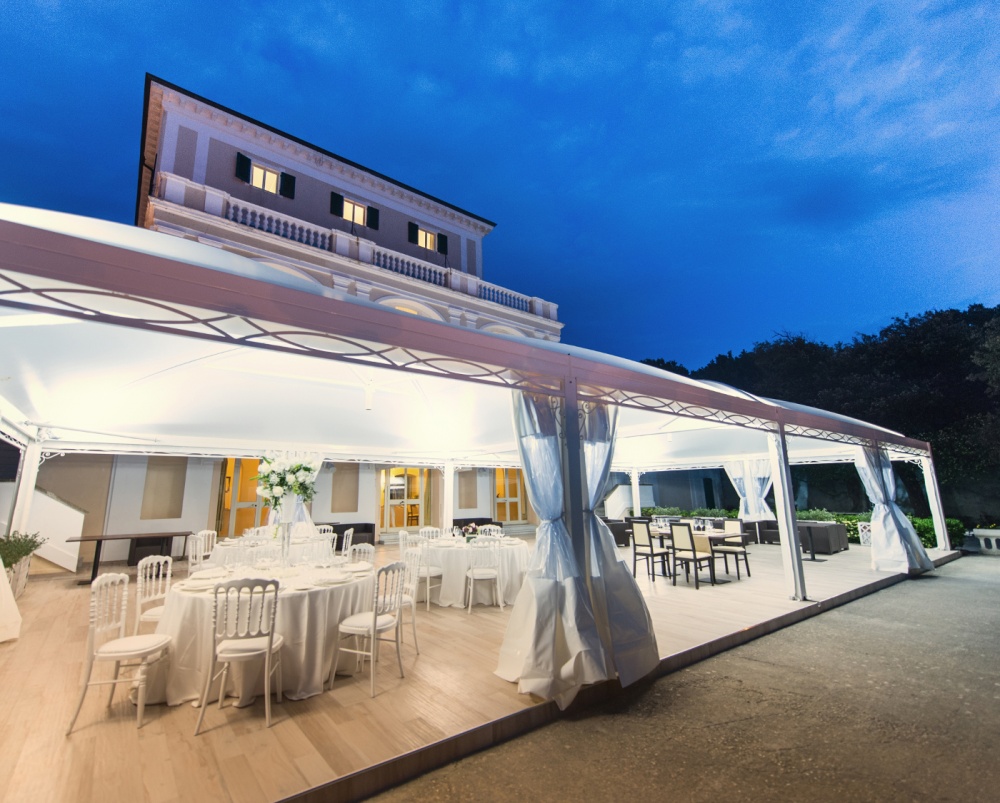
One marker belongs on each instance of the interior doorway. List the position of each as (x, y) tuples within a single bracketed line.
[(240, 507), (406, 498), (508, 504)]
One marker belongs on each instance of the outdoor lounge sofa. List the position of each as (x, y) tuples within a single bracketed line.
[(828, 537), (619, 529)]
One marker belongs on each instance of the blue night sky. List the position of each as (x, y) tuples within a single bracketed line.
[(683, 178)]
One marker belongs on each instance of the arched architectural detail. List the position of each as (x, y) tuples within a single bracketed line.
[(411, 306), (502, 329)]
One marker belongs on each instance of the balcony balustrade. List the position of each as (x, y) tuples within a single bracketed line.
[(172, 188)]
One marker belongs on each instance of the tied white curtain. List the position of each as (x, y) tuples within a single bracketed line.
[(551, 647), (624, 621), (895, 545), (752, 481)]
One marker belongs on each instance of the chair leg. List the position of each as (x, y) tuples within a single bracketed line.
[(267, 689), (140, 703), (113, 686), (374, 643), (222, 684), (413, 624), (399, 653), (278, 673), (83, 693), (746, 562), (204, 697)]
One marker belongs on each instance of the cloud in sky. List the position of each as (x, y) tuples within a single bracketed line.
[(638, 155)]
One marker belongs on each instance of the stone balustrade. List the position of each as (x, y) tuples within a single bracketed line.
[(174, 188)]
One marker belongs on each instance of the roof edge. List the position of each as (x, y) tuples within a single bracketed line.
[(150, 78)]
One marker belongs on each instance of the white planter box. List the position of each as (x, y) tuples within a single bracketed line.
[(989, 542), (17, 576)]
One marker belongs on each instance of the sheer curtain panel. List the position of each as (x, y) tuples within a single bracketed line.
[(895, 545), (551, 647), (752, 481)]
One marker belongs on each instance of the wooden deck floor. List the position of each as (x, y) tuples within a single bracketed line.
[(449, 704)]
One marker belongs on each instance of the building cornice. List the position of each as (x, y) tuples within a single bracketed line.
[(305, 152)]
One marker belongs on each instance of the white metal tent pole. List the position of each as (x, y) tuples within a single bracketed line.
[(27, 476), (791, 554), (448, 497), (934, 500), (634, 475)]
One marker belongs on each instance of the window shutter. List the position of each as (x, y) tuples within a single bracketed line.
[(411, 232), (442, 244), (372, 218), (336, 204), (286, 188), (243, 168)]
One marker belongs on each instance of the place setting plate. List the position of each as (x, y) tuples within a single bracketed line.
[(359, 567)]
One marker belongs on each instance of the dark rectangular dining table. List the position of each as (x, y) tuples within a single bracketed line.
[(165, 540)]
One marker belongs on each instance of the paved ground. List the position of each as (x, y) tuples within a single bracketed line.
[(893, 697)]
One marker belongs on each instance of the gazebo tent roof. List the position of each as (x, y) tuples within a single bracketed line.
[(119, 339)]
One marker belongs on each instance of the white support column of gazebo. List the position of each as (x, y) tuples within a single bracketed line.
[(448, 497), (781, 476), (634, 474), (934, 500)]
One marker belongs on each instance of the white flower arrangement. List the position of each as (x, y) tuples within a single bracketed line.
[(281, 474)]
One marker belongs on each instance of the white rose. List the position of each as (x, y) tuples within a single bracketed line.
[(262, 491), (290, 478), (277, 491)]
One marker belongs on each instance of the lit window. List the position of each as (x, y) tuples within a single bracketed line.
[(263, 178), (425, 239), (354, 212)]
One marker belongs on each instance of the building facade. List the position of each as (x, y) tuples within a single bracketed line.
[(210, 174)]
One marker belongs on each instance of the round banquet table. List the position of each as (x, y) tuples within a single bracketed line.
[(233, 551), (454, 562), (307, 618)]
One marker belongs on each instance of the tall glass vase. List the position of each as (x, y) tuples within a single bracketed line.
[(288, 504)]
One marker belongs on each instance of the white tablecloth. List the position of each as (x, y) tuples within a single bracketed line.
[(454, 563), (307, 620)]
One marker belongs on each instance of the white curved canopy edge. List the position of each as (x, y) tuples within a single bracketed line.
[(94, 358)]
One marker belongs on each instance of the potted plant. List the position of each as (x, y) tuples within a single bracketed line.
[(16, 550)]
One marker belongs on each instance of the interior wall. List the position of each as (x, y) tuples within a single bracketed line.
[(125, 504), (83, 480)]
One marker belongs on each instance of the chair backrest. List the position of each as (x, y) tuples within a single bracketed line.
[(485, 539), (680, 533), (411, 578), (324, 529), (640, 533), (484, 555), (733, 526), (491, 529), (360, 552), (430, 532), (345, 549), (108, 607), (415, 541), (389, 588), (152, 580), (701, 543), (196, 551), (209, 537), (245, 609)]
